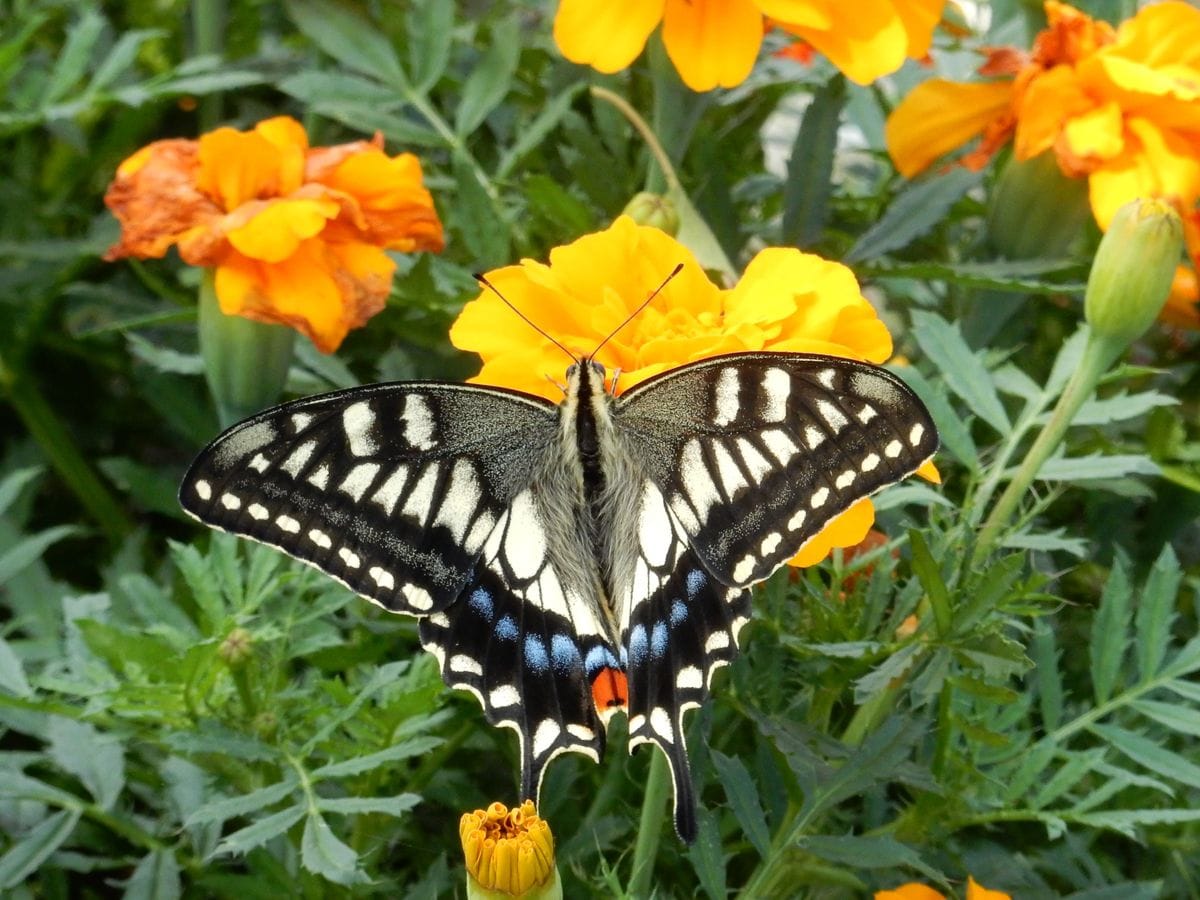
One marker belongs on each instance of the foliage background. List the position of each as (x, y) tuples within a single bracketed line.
[(184, 715)]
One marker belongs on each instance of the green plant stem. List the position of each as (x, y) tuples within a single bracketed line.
[(644, 131), (208, 36), (1098, 355), (56, 441), (654, 801), (871, 713)]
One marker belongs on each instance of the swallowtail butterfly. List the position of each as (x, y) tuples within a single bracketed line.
[(568, 561)]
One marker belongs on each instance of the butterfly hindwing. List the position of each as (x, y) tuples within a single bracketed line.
[(392, 489), (756, 452)]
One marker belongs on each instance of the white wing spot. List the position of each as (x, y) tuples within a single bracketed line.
[(758, 464), (770, 543), (689, 677), (229, 501), (300, 421), (257, 511), (505, 695), (697, 480), (298, 459), (637, 723), (870, 462), (320, 538), (417, 596), (655, 533), (825, 376), (914, 436), (358, 419), (260, 463), (797, 520), (288, 524), (460, 500), (744, 569), (833, 416), (525, 544), (479, 531), (776, 388), (319, 477), (203, 490), (441, 620), (545, 736), (819, 498), (460, 662), (582, 732), (845, 479), (360, 478), (389, 492), (420, 502), (731, 476), (867, 413), (382, 577), (781, 446), (684, 514), (660, 724), (418, 423), (892, 450), (814, 437), (726, 397), (718, 640), (350, 558)]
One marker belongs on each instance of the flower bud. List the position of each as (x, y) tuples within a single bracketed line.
[(653, 210), (509, 854), (236, 648), (1133, 270)]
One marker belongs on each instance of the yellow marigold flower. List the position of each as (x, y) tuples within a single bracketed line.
[(715, 42), (1119, 107), (509, 852), (915, 891), (786, 300), (296, 234)]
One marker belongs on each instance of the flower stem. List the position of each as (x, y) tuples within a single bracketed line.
[(208, 37), (644, 131), (1098, 354), (654, 801)]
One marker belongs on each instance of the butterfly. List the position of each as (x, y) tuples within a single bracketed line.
[(568, 561)]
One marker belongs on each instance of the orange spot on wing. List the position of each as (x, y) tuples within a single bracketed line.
[(610, 690)]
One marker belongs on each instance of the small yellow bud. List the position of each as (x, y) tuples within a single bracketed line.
[(509, 854), (1133, 269), (653, 210), (236, 648)]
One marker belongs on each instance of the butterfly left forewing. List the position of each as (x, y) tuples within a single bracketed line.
[(757, 452)]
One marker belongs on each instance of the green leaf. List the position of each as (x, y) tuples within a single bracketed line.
[(1119, 407), (155, 878), (12, 673), (1158, 759), (532, 135), (1017, 276), (246, 839), (430, 26), (1047, 541), (359, 764), (1110, 632), (1096, 466), (29, 549), (1156, 613), (1044, 653), (964, 372), (388, 806), (1184, 719), (867, 852), (230, 807), (1126, 821), (323, 853), (707, 855), (349, 38), (810, 169), (491, 79), (14, 483), (197, 571), (1031, 764), (918, 208), (74, 57), (955, 435), (485, 233), (881, 677), (931, 579), (122, 56), (875, 762), (1185, 661), (96, 759), (1069, 357), (1077, 767), (743, 800), (27, 854)]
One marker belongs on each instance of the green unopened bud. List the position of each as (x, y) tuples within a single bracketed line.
[(236, 648), (653, 210), (1132, 272), (1035, 210)]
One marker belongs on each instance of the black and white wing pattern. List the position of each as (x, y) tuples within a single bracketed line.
[(747, 457)]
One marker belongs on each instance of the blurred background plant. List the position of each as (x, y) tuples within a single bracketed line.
[(182, 714)]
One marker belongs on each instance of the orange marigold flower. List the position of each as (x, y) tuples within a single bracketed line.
[(296, 234), (715, 42), (509, 852), (915, 891), (786, 300)]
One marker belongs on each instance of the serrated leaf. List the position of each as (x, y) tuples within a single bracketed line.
[(96, 759), (1110, 633), (1145, 752), (1120, 407), (809, 181), (491, 78), (1077, 767), (430, 26), (1185, 661), (390, 806), (707, 855), (359, 764), (904, 494), (1156, 612), (1018, 276), (839, 649), (12, 672), (1184, 719), (931, 579), (743, 800), (1032, 763), (532, 135), (26, 855), (323, 853), (890, 670), (917, 209), (347, 37), (867, 852), (1096, 466), (964, 372), (1047, 541), (1044, 653), (30, 548), (155, 878), (246, 839), (1126, 821), (230, 807), (74, 57), (486, 234), (1067, 361), (874, 762), (197, 571)]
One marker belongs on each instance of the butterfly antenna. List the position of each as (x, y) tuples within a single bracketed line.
[(482, 279), (629, 318)]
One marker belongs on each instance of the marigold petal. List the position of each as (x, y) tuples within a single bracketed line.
[(930, 472), (1160, 35), (800, 13), (844, 530), (712, 43), (607, 35), (1183, 303), (976, 891), (1156, 163), (938, 116), (1045, 104), (910, 891), (271, 230), (1090, 139), (920, 18), (239, 166), (865, 40)]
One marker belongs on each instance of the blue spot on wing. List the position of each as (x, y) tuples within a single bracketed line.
[(506, 629), (637, 644), (564, 653), (695, 583), (658, 640), (679, 612), (481, 602), (535, 654)]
